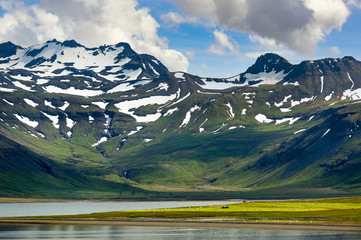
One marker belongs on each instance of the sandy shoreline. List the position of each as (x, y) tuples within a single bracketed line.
[(192, 223)]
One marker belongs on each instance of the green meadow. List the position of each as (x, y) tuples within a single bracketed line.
[(329, 211)]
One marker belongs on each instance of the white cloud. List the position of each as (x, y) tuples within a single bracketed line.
[(172, 19), (269, 45), (223, 42), (90, 22), (298, 24), (335, 50), (355, 3)]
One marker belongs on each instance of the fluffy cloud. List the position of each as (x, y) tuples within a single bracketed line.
[(296, 24), (90, 22), (335, 50), (223, 42), (172, 19)]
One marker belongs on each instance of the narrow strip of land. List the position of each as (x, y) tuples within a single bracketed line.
[(336, 214)]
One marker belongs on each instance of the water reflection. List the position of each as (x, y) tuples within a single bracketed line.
[(65, 208), (159, 233)]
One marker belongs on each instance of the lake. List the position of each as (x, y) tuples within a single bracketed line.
[(28, 232), (84, 207)]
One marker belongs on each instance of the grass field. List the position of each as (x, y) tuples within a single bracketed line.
[(345, 210)]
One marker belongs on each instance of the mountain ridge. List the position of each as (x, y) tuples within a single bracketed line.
[(128, 120)]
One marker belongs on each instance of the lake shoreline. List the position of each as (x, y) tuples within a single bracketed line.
[(185, 223), (128, 200)]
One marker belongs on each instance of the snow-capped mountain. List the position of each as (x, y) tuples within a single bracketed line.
[(106, 69), (111, 107)]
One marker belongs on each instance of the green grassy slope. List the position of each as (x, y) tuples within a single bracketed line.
[(24, 173)]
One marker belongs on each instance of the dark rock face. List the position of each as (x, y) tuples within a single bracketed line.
[(8, 49)]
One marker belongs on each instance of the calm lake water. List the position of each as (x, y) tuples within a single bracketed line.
[(83, 207), (159, 233)]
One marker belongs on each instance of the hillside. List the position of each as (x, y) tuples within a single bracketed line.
[(117, 117)]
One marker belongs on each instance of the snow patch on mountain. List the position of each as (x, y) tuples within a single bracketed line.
[(213, 85), (161, 86), (22, 78), (290, 120), (42, 81), (10, 103), (123, 87), (49, 104), (285, 110), (349, 77), (352, 94), (299, 131), (132, 74), (294, 84), (27, 121), (261, 118), (201, 129), (303, 100), (73, 91), (170, 112), (328, 97), (101, 104), (107, 123), (90, 119), (263, 78), (248, 95), (65, 106), (22, 86), (327, 131), (154, 71), (54, 119), (187, 118), (69, 122), (135, 131), (40, 134), (2, 89), (230, 112), (179, 100), (280, 104), (101, 140), (179, 75), (322, 83), (125, 106), (30, 102)]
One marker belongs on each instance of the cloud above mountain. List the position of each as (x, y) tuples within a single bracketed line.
[(90, 22), (296, 24)]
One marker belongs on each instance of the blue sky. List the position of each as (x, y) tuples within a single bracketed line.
[(204, 37)]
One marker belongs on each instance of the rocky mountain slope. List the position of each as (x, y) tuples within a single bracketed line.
[(113, 115)]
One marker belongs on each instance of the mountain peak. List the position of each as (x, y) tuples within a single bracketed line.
[(349, 58), (71, 44), (122, 44), (269, 62), (8, 49)]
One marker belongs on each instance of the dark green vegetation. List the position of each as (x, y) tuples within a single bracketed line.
[(298, 137), (329, 210)]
